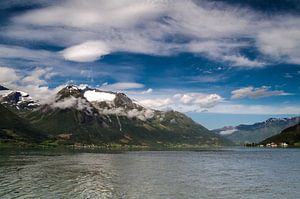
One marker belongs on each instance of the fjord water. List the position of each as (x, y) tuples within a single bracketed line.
[(230, 173)]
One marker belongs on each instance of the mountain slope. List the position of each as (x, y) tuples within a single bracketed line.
[(93, 116), (256, 132), (14, 128), (289, 135), (16, 100)]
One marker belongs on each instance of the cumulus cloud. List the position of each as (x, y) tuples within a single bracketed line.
[(121, 86), (200, 99), (35, 76), (33, 83), (184, 102), (8, 76), (254, 93), (159, 103), (86, 52)]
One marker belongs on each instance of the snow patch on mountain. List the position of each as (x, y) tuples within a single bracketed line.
[(18, 99), (4, 93), (98, 96)]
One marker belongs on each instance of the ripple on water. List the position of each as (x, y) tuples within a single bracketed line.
[(210, 174)]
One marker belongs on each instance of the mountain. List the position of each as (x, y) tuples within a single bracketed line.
[(256, 132), (2, 88), (92, 116), (290, 135), (16, 129), (17, 99)]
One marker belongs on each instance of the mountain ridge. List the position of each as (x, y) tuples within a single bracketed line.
[(290, 136), (257, 132), (92, 116)]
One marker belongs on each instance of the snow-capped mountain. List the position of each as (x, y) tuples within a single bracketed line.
[(102, 102), (17, 99), (88, 115)]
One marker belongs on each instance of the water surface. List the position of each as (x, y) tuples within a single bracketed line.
[(235, 173)]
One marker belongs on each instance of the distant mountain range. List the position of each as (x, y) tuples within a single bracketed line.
[(257, 132), (290, 135), (84, 115)]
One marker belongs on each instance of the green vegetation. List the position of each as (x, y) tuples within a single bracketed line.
[(255, 133), (100, 130), (87, 125), (290, 135), (73, 128), (16, 129)]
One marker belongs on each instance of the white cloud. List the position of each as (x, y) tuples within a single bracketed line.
[(224, 51), (11, 51), (33, 83), (149, 90), (65, 103), (121, 86), (183, 102), (282, 43), (157, 103), (8, 76), (34, 77), (199, 99), (239, 60), (72, 102), (134, 113), (254, 109), (83, 14), (86, 52), (218, 32), (251, 92)]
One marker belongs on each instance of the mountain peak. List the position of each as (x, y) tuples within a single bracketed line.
[(17, 99), (2, 88)]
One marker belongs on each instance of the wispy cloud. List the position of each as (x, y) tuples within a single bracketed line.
[(218, 32), (121, 86), (254, 93), (229, 108)]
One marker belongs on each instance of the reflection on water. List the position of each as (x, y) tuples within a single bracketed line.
[(238, 173)]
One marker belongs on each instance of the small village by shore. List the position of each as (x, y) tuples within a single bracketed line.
[(274, 145), (268, 145)]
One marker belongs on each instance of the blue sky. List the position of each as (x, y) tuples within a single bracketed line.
[(221, 62)]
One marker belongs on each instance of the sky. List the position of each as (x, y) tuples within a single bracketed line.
[(222, 62)]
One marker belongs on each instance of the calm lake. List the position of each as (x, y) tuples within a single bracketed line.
[(229, 173)]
